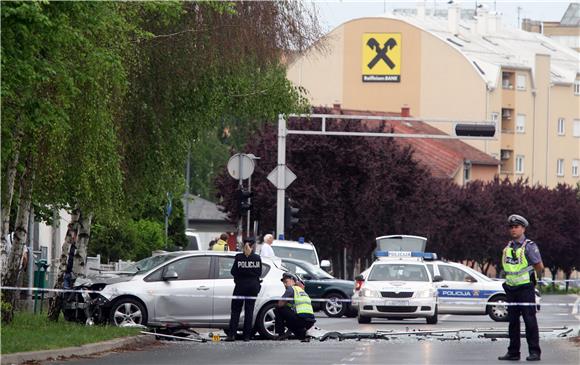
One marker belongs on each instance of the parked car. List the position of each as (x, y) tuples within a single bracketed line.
[(305, 251), (467, 291), (398, 287), (177, 289), (322, 285)]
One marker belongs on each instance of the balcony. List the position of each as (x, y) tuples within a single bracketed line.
[(507, 139), (508, 95)]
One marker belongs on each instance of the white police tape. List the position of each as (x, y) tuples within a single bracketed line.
[(374, 301)]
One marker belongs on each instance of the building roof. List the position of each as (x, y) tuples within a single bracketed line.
[(571, 17), (201, 209), (443, 157), (490, 50)]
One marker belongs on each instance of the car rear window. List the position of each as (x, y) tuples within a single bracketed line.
[(398, 272)]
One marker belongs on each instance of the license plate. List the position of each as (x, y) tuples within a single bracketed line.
[(396, 302)]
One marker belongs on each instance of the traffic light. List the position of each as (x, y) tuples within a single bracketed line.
[(244, 203), (475, 130), (290, 214)]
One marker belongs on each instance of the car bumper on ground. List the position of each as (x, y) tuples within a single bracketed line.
[(397, 308)]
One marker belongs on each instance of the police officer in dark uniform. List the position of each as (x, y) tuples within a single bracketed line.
[(521, 260), (246, 270)]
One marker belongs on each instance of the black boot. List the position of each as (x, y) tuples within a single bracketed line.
[(533, 357), (230, 338), (510, 357)]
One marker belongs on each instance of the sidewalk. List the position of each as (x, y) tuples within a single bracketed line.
[(84, 350)]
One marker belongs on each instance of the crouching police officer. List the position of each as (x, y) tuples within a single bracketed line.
[(520, 258), (246, 270), (296, 312)]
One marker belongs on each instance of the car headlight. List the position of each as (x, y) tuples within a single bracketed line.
[(427, 293), (369, 293)]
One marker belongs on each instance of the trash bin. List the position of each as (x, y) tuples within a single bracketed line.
[(40, 282)]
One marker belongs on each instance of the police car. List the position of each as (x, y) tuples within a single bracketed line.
[(399, 285), (466, 291)]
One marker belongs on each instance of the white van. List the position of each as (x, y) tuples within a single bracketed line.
[(300, 251)]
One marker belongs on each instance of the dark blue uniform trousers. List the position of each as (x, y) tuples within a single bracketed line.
[(522, 294), (250, 290)]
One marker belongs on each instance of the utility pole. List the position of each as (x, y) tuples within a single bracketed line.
[(519, 11), (187, 179)]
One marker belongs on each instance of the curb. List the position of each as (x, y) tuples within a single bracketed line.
[(83, 350)]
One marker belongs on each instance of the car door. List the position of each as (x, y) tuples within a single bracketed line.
[(223, 290), (458, 291), (187, 298)]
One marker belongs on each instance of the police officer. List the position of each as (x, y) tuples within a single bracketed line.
[(521, 260), (296, 311), (246, 270)]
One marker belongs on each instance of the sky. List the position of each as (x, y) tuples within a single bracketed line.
[(335, 12)]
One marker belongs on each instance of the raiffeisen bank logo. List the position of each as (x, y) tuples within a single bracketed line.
[(381, 58)]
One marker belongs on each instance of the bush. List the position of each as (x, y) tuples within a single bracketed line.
[(129, 240)]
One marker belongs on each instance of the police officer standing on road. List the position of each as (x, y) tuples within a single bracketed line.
[(521, 260), (246, 270), (295, 310)]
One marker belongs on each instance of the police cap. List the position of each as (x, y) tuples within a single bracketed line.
[(249, 240), (515, 219), (288, 275)]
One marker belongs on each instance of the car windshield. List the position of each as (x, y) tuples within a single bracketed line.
[(148, 264), (398, 272), (295, 253), (314, 271)]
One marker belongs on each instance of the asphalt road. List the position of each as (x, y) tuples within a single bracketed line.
[(400, 350)]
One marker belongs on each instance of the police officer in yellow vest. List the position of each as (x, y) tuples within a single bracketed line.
[(521, 260), (295, 310)]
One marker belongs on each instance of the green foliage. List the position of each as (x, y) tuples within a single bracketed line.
[(6, 310), (30, 332), (129, 240)]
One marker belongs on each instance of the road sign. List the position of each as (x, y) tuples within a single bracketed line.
[(240, 162), (288, 178)]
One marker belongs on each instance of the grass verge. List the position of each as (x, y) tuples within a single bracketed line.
[(29, 332)]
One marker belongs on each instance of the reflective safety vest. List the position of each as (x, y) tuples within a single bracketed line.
[(515, 265), (220, 245), (302, 303)]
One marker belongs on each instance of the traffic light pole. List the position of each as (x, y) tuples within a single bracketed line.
[(473, 130), (281, 192)]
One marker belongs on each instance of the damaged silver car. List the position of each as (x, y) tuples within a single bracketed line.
[(177, 289)]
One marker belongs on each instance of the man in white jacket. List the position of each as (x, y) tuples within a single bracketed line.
[(266, 250)]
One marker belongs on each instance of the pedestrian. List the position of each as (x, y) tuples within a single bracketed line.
[(266, 250), (294, 310), (246, 270), (521, 261), (221, 244), (212, 243)]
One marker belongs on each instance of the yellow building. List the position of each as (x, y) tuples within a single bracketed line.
[(566, 31), (459, 69)]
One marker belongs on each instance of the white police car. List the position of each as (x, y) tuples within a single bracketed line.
[(399, 285), (466, 291)]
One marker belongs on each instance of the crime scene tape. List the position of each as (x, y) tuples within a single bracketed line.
[(241, 297)]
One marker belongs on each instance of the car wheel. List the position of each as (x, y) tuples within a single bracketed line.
[(265, 322), (127, 312), (334, 307), (364, 319), (433, 319), (498, 312)]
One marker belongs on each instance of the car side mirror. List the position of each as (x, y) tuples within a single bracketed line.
[(306, 277), (437, 278), (469, 279), (170, 275), (359, 278), (325, 264)]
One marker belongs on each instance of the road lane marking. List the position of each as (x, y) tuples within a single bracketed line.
[(576, 305)]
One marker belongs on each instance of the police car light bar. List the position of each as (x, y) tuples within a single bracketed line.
[(423, 255)]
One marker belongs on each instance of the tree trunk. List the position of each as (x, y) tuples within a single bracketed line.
[(77, 235), (55, 303), (13, 269), (7, 202)]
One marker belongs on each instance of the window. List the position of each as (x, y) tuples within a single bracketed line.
[(398, 272), (561, 130), (575, 164), (466, 172), (450, 273), (191, 268), (577, 87), (576, 127), (521, 82), (521, 123), (519, 164), (224, 267), (560, 167)]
